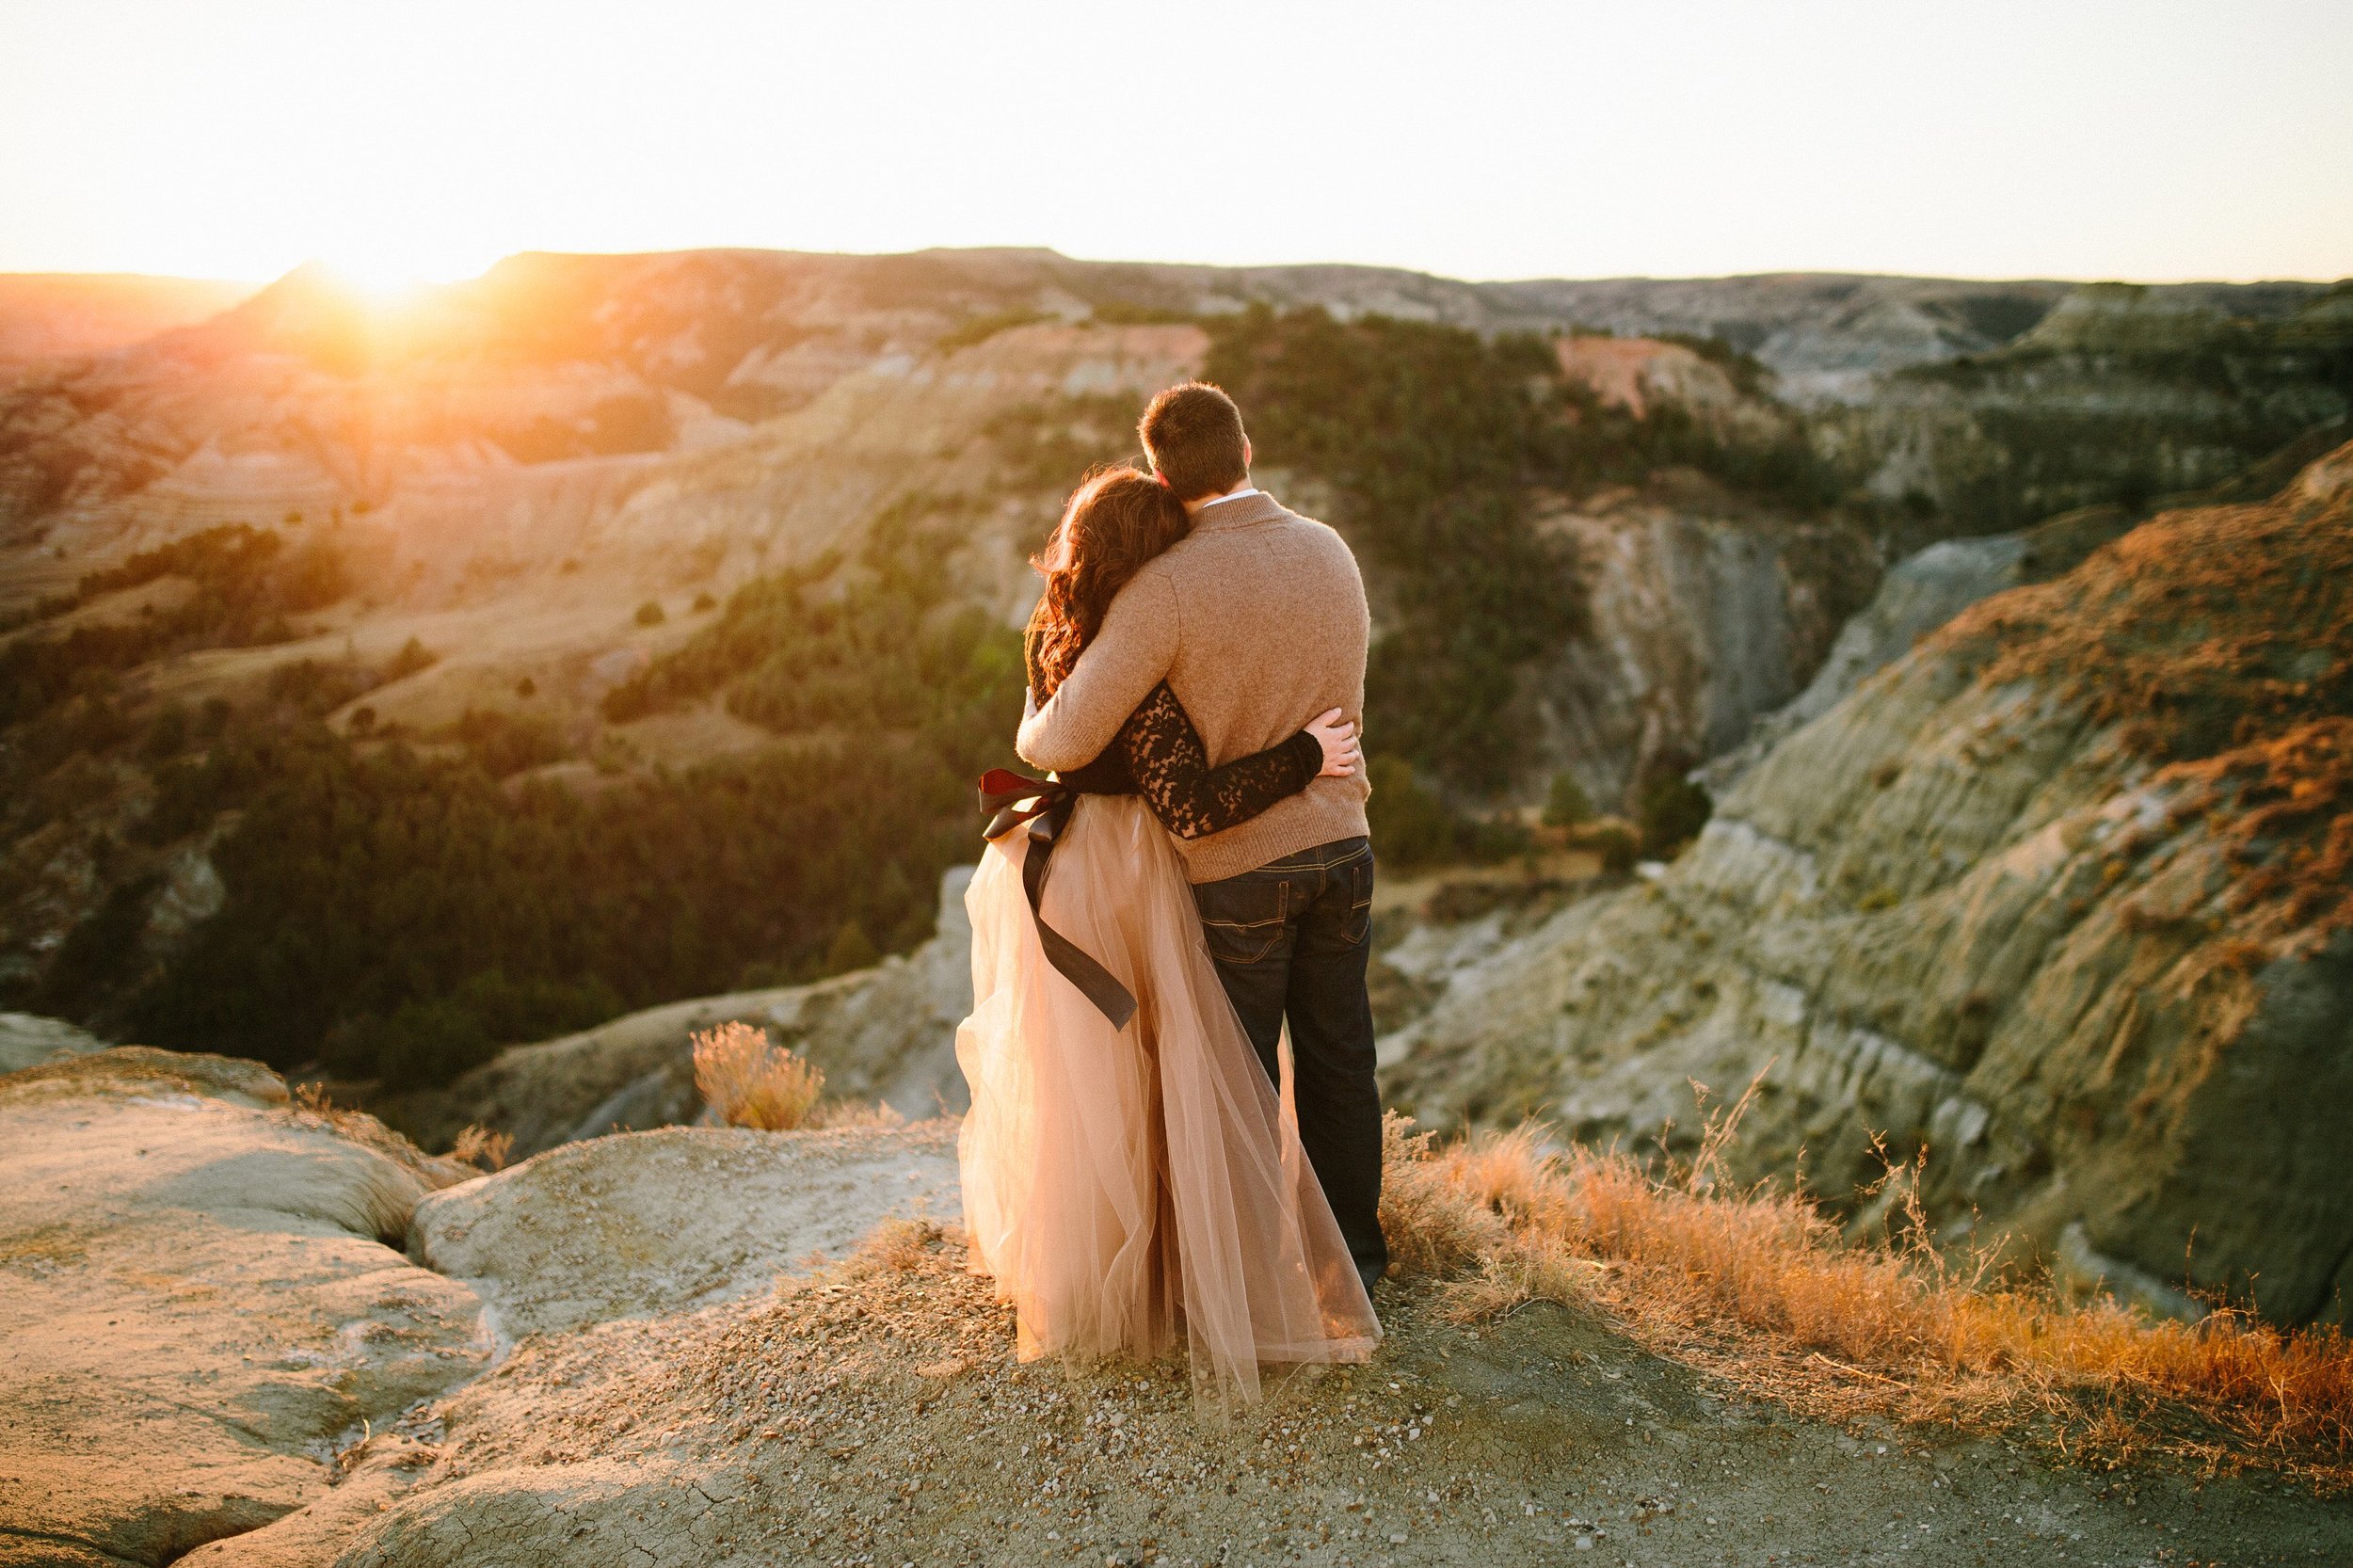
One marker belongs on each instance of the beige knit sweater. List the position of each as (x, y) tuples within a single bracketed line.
[(1257, 620)]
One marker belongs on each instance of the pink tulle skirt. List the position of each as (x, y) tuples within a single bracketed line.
[(1122, 1186)]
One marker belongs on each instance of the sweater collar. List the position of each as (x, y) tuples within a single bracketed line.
[(1242, 512)]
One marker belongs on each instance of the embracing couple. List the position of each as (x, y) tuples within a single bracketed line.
[(1143, 1156)]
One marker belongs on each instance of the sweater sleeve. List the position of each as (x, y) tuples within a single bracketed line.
[(1129, 655), (1193, 799)]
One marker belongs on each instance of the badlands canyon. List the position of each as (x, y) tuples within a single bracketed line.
[(445, 706)]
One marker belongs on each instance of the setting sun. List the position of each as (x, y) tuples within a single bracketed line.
[(381, 283)]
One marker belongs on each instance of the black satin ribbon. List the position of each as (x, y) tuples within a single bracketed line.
[(1045, 805)]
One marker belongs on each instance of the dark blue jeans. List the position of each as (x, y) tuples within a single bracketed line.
[(1291, 940)]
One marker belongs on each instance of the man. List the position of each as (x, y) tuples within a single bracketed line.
[(1257, 622)]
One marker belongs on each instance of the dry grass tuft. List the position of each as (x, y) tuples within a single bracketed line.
[(837, 1115), (1433, 1225), (1761, 1288), (311, 1107), (482, 1148), (751, 1082), (896, 1246)]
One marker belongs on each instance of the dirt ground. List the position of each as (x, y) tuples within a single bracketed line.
[(874, 1416)]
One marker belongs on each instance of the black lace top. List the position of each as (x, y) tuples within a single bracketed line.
[(1159, 755)]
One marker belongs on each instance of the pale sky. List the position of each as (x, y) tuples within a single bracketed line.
[(2146, 140)]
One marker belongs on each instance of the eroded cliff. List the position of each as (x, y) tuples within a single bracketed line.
[(2059, 898)]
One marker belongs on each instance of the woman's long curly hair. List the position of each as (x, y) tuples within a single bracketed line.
[(1117, 519)]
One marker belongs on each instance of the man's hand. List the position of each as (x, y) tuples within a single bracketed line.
[(1338, 737)]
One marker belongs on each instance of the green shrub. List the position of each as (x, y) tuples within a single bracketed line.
[(1411, 826), (882, 642), (852, 949), (1743, 369), (166, 733), (245, 584), (980, 328), (1048, 444), (1566, 805), (102, 951), (1120, 312), (318, 687), (505, 743), (1673, 811), (1616, 847), (232, 553), (413, 656), (190, 793), (408, 914)]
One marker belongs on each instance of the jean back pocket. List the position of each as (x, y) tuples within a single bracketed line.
[(1244, 918)]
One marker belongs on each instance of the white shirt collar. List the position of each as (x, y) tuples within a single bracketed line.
[(1231, 495)]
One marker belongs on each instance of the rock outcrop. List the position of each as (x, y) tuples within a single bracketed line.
[(651, 1223), (26, 1041), (202, 1302), (212, 1333), (2120, 393), (2059, 897), (1918, 594), (1840, 338), (1705, 615)]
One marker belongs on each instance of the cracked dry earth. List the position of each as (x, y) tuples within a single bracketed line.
[(873, 1416)]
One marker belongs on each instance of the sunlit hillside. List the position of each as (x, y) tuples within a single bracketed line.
[(389, 676), (45, 315)]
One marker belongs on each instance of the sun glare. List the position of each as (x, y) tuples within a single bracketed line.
[(379, 282), (392, 267)]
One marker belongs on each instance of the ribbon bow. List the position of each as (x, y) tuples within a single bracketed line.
[(1012, 799)]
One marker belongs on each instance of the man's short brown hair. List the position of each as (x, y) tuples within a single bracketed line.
[(1193, 433)]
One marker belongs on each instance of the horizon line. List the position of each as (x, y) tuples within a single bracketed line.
[(258, 283)]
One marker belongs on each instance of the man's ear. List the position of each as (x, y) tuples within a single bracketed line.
[(1245, 455)]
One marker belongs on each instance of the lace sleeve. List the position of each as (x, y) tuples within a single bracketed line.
[(1193, 799)]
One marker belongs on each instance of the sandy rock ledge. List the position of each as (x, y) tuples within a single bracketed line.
[(201, 1302), (650, 1223)]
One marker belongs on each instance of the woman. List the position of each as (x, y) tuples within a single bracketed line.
[(1128, 1168)]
